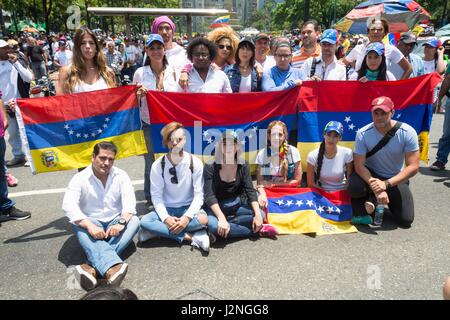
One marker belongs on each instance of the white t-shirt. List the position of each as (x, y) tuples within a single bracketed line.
[(268, 64), (216, 82), (246, 84), (429, 66), (64, 57), (132, 53), (270, 165), (393, 55), (332, 173)]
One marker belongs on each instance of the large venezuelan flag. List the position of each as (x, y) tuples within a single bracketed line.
[(349, 103), (60, 132), (309, 210), (206, 116)]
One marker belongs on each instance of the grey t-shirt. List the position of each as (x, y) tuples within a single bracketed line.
[(388, 161)]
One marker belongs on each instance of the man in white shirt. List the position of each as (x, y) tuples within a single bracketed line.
[(377, 30), (101, 206), (261, 48), (175, 54), (177, 194), (327, 67), (10, 72), (63, 56), (203, 77)]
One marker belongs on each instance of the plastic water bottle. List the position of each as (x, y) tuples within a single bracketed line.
[(379, 212)]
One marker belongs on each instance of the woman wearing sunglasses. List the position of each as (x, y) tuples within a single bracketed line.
[(177, 194)]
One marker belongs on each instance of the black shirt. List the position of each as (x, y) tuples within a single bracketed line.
[(217, 190), (35, 53)]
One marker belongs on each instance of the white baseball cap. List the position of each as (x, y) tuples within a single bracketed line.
[(3, 44)]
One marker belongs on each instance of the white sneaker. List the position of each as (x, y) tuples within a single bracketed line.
[(145, 235), (200, 240)]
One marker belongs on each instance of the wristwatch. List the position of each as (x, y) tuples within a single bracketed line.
[(122, 222), (388, 184)]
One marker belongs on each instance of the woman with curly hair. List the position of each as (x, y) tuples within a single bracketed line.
[(226, 42), (88, 70), (278, 163)]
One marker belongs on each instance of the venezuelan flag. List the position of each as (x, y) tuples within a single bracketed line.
[(205, 116), (60, 132), (309, 210), (220, 22), (349, 102)]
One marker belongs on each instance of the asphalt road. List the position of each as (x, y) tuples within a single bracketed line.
[(37, 255)]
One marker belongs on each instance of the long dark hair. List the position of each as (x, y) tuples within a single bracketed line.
[(382, 74), (249, 46), (320, 161)]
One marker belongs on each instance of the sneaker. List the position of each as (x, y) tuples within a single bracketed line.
[(437, 166), (366, 219), (14, 214), (86, 276), (269, 231), (15, 162), (26, 164), (370, 207), (145, 235), (116, 274), (200, 240), (11, 180)]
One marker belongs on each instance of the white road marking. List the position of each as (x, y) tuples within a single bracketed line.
[(51, 191)]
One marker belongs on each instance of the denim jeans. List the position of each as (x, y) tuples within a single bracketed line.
[(240, 223), (151, 222), (149, 158), (14, 138), (444, 141), (103, 254), (5, 202), (38, 69)]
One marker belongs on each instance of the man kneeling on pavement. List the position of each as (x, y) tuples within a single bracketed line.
[(101, 206)]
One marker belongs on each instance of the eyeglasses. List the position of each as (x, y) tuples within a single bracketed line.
[(283, 56), (222, 46), (201, 55), (173, 172), (376, 29)]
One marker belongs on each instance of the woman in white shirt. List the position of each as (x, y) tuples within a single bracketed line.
[(278, 163), (177, 194), (374, 65), (330, 165), (154, 75), (88, 70), (433, 59)]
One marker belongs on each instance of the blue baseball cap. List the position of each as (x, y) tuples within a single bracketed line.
[(329, 36), (378, 47), (153, 37), (433, 42), (334, 126)]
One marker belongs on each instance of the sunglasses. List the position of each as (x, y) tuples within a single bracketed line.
[(222, 46), (173, 172)]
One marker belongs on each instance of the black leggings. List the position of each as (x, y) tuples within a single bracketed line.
[(401, 202)]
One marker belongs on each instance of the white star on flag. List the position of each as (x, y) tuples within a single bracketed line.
[(348, 119), (330, 209), (280, 202), (289, 203), (205, 133), (299, 202), (99, 130), (255, 128), (107, 119), (250, 136), (66, 126), (86, 135), (105, 126), (337, 210), (309, 203), (351, 127), (93, 134), (78, 135), (71, 132), (210, 140), (399, 115), (320, 209)]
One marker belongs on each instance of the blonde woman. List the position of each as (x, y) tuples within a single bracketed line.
[(88, 70), (278, 163), (226, 42)]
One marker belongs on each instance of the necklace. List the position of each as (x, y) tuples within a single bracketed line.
[(245, 68)]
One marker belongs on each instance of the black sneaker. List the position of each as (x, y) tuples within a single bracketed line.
[(437, 166), (14, 214)]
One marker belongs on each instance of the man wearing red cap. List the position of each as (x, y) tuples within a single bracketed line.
[(380, 176)]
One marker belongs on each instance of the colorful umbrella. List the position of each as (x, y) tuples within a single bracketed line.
[(444, 31), (402, 15), (31, 30)]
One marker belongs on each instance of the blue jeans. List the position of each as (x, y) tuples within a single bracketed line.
[(5, 202), (149, 158), (151, 222), (38, 69), (444, 141), (103, 254), (240, 223), (14, 138)]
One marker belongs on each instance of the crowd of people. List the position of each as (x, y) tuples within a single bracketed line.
[(198, 203)]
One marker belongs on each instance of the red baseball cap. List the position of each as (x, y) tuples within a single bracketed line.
[(383, 103)]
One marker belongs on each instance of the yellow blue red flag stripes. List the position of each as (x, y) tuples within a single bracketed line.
[(59, 132), (349, 102), (309, 210)]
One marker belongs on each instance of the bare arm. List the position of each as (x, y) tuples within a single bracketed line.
[(407, 68), (310, 176), (62, 77)]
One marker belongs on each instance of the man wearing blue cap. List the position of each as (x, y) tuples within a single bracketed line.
[(327, 66)]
